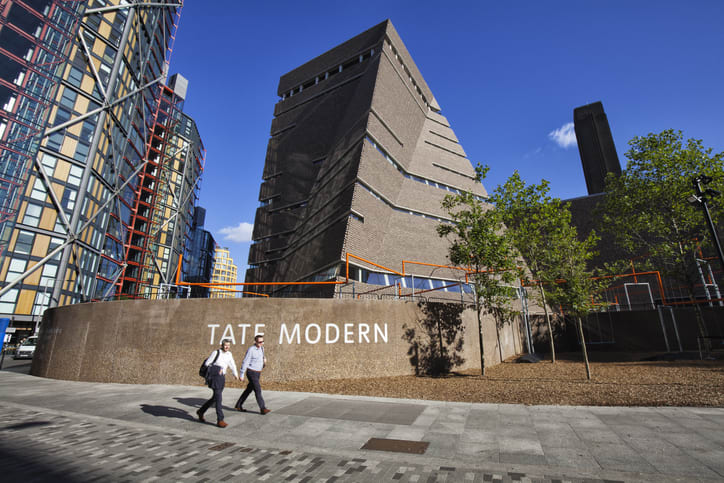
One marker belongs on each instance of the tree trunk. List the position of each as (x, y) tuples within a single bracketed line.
[(548, 320), (480, 336), (583, 348)]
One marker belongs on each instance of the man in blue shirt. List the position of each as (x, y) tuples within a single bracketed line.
[(254, 362)]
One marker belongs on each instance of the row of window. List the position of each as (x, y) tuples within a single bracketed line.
[(397, 208), (363, 275), (326, 75), (407, 72), (419, 179)]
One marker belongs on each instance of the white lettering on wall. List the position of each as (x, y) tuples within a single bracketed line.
[(313, 333), (364, 329), (295, 331), (309, 339), (326, 334), (213, 329), (243, 332), (383, 336), (229, 334)]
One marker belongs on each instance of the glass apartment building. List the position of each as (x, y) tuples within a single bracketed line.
[(82, 87)]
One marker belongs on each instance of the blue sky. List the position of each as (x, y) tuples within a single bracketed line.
[(506, 74)]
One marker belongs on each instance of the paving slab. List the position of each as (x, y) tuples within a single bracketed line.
[(74, 431)]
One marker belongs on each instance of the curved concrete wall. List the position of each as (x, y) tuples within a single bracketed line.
[(164, 341)]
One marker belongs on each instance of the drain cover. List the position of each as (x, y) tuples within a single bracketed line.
[(396, 445)]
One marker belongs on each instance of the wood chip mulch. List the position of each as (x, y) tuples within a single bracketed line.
[(613, 383)]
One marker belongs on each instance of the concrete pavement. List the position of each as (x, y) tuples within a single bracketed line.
[(76, 431)]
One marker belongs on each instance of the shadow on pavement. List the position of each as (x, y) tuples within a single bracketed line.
[(166, 411), (26, 425), (31, 464), (192, 402)]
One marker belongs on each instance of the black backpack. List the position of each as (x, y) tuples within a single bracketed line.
[(204, 369)]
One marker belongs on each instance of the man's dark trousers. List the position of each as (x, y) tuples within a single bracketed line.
[(253, 385), (216, 383)]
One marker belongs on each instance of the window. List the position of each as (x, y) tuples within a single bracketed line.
[(61, 116), (55, 140), (7, 301), (49, 163), (67, 100), (75, 77), (16, 268), (68, 200), (81, 151), (24, 243), (74, 175), (38, 192), (47, 279), (32, 215)]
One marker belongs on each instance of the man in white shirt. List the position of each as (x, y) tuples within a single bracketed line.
[(254, 362), (217, 363)]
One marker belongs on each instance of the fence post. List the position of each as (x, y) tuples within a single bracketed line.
[(663, 329), (676, 328), (526, 321)]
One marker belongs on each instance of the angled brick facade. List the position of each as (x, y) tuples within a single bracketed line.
[(359, 161)]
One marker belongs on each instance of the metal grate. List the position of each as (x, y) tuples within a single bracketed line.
[(396, 445)]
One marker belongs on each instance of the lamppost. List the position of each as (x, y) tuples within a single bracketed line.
[(700, 198)]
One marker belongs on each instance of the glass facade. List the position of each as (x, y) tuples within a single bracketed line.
[(72, 161)]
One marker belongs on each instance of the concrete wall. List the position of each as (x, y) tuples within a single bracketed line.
[(164, 342)]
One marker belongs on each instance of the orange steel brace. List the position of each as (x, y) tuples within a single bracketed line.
[(633, 271), (431, 265), (372, 263), (234, 284)]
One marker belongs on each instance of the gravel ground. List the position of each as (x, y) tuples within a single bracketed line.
[(616, 381)]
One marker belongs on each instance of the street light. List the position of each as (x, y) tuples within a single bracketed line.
[(700, 198)]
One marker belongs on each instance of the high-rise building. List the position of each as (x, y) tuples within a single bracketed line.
[(88, 81), (199, 257), (595, 145), (359, 160), (163, 210), (224, 272)]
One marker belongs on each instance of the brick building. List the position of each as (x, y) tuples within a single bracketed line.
[(359, 160)]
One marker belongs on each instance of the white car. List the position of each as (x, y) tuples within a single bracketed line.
[(27, 348)]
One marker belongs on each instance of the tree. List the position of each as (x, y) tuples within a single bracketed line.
[(479, 243), (646, 208), (540, 227), (575, 288)]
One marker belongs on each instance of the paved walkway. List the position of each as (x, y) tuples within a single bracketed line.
[(73, 431)]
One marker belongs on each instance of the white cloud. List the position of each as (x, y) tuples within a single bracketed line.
[(239, 234), (564, 136)]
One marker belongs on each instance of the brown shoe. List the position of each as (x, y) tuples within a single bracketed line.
[(265, 411), (221, 424), (240, 409), (201, 416)]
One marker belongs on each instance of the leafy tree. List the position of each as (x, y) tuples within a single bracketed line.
[(479, 243), (540, 227), (646, 208), (575, 288)]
